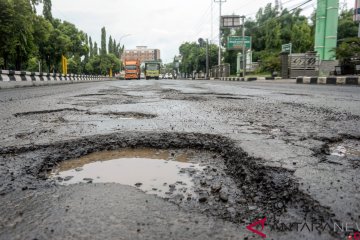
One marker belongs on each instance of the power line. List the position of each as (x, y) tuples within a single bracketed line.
[(200, 22), (293, 9)]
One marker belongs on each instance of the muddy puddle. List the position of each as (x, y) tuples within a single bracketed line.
[(160, 172)]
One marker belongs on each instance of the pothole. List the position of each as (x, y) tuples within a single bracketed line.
[(295, 94), (229, 184), (21, 114), (160, 172), (232, 98), (191, 178), (75, 115), (91, 95), (347, 148), (125, 115)]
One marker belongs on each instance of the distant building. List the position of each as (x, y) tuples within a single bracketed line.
[(142, 53)]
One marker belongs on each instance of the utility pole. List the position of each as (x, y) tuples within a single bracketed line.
[(207, 59), (244, 47), (212, 21), (220, 2)]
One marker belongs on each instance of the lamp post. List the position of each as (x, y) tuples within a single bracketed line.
[(220, 2), (202, 42), (121, 52)]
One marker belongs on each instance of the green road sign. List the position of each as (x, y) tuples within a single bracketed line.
[(236, 42), (286, 47)]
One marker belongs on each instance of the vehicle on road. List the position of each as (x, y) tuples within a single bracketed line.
[(132, 69), (152, 70)]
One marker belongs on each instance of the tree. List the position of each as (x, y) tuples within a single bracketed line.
[(347, 28), (34, 3), (41, 35), (194, 57), (59, 45), (272, 35), (95, 50), (110, 46), (47, 10), (91, 49), (349, 48), (77, 39), (103, 42), (22, 32), (301, 38), (7, 15)]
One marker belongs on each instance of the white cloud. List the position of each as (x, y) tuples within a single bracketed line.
[(162, 24)]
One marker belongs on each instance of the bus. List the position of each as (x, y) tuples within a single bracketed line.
[(152, 70)]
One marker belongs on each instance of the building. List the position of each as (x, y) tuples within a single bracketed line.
[(142, 53)]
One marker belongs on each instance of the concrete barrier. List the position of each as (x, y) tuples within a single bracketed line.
[(247, 79), (10, 79), (334, 80)]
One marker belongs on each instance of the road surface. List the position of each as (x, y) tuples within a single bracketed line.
[(285, 152)]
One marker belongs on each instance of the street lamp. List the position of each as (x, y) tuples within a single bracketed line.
[(121, 51), (220, 2), (202, 42)]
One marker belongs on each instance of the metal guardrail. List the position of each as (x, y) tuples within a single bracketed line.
[(220, 71)]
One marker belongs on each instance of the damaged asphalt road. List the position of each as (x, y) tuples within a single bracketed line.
[(290, 153)]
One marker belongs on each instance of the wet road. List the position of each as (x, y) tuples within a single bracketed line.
[(281, 144)]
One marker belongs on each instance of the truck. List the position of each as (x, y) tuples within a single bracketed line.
[(152, 70), (132, 69)]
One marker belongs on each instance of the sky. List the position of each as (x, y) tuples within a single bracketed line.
[(160, 24)]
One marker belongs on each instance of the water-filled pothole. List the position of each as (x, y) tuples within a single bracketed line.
[(160, 172)]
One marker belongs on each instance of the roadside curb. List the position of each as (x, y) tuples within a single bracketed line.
[(248, 79), (349, 80), (12, 79)]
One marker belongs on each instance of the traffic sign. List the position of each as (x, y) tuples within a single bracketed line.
[(286, 48), (236, 42)]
